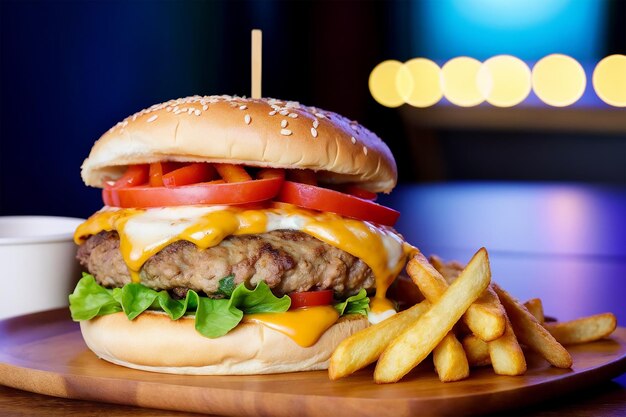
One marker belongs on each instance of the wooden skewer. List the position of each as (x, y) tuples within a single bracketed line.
[(257, 59)]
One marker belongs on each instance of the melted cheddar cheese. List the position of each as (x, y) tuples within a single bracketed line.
[(304, 326), (143, 233)]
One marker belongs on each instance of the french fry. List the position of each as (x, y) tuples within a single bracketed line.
[(450, 360), (535, 307), (416, 342), (232, 173), (365, 347), (485, 318), (488, 316), (476, 350), (531, 333), (449, 270), (487, 302), (583, 330), (507, 357)]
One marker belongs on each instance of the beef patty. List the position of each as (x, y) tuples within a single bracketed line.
[(286, 260)]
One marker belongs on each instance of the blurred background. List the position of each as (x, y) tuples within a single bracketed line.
[(72, 69)]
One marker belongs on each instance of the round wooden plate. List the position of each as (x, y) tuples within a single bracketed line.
[(45, 353)]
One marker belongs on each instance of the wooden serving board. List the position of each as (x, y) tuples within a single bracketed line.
[(45, 353)]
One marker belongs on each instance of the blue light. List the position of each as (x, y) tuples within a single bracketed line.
[(528, 29)]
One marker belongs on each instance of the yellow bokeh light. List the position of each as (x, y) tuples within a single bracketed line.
[(382, 83), (459, 81), (609, 80), (423, 87), (558, 80), (404, 82), (504, 80)]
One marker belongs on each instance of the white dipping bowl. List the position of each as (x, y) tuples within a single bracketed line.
[(38, 263)]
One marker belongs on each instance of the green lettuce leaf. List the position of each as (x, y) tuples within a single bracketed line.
[(90, 300), (259, 300), (356, 304), (227, 286), (213, 317)]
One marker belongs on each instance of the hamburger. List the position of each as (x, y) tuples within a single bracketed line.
[(238, 236)]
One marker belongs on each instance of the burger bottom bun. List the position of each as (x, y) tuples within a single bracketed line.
[(153, 342)]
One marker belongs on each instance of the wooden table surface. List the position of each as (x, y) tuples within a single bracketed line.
[(563, 243)]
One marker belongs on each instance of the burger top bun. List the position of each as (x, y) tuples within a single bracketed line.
[(256, 132)]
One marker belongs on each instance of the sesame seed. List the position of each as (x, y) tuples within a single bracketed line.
[(320, 115), (285, 132), (283, 123), (205, 107), (168, 109), (243, 107), (353, 140), (190, 110), (152, 118), (284, 112), (293, 115), (247, 119), (197, 112), (354, 128), (365, 150), (313, 132), (316, 123), (273, 112)]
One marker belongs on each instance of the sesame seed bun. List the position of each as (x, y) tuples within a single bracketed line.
[(153, 342), (255, 132)]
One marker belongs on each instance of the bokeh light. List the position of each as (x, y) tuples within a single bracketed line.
[(609, 80), (459, 78), (424, 87), (504, 80), (558, 80), (382, 83)]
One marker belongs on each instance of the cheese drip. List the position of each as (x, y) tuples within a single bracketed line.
[(304, 326), (143, 233)]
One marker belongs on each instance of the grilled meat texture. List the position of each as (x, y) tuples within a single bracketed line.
[(286, 260)]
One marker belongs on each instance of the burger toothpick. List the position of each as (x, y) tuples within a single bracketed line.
[(257, 62)]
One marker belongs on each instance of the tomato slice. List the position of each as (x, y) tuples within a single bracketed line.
[(323, 199), (202, 193), (134, 175), (156, 175), (232, 173), (271, 173), (159, 169), (189, 174), (310, 298), (356, 191)]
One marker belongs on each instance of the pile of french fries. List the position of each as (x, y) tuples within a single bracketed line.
[(465, 321)]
